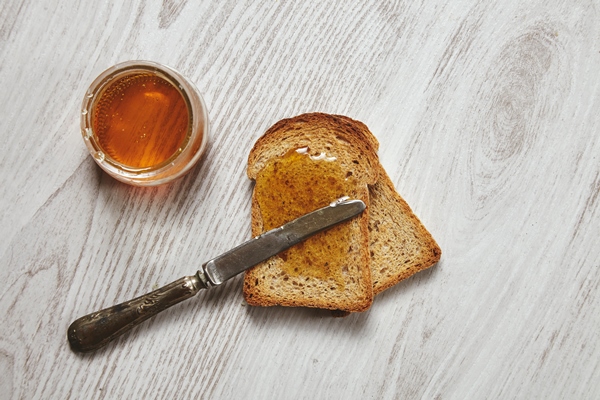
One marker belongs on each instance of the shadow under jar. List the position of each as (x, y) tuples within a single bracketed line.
[(144, 123)]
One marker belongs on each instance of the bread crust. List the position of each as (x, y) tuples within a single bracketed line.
[(300, 131)]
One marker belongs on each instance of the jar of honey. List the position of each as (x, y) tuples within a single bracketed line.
[(144, 123)]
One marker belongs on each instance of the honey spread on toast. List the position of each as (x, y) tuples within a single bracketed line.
[(293, 185)]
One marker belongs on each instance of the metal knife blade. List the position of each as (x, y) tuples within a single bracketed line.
[(97, 329), (254, 251)]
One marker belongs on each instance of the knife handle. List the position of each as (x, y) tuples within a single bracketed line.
[(97, 329)]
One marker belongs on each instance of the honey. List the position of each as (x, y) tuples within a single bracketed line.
[(144, 123), (293, 185), (141, 120)]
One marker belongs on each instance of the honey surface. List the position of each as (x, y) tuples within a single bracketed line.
[(141, 120), (293, 185)]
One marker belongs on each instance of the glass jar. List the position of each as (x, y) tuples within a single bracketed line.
[(144, 123)]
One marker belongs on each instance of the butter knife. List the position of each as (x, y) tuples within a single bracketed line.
[(97, 329)]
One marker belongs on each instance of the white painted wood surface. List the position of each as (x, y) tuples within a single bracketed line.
[(487, 114)]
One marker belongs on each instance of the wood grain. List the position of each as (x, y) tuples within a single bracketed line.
[(487, 118)]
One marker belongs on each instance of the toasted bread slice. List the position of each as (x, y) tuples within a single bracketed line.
[(399, 244), (298, 165)]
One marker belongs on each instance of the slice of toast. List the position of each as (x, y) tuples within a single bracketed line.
[(298, 165), (399, 244)]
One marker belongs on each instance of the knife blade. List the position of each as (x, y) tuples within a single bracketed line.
[(97, 329)]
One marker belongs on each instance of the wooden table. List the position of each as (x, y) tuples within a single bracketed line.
[(487, 115)]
